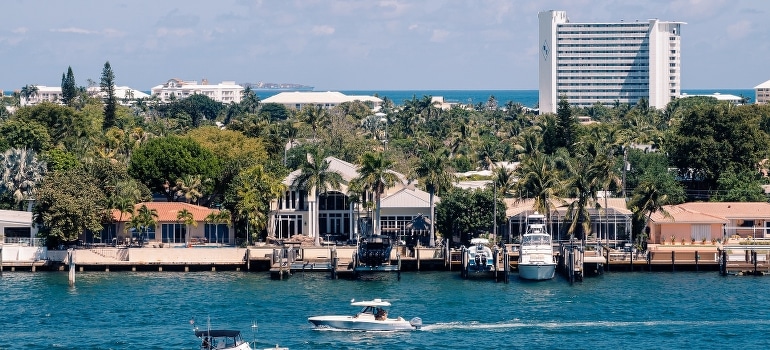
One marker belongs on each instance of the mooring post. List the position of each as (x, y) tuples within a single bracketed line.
[(248, 259), (71, 261), (334, 263), (1, 258), (398, 272), (754, 258), (673, 260), (697, 258), (506, 265), (723, 262), (417, 250)]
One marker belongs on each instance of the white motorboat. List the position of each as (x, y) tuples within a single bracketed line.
[(536, 260), (480, 258), (373, 317), (222, 339)]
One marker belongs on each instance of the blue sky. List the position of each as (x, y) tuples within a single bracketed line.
[(352, 44)]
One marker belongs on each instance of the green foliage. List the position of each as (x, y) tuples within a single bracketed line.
[(68, 204), (742, 187), (59, 160), (25, 134), (69, 90), (162, 160), (468, 213), (107, 86), (274, 111)]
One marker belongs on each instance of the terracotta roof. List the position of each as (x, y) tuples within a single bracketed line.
[(167, 211), (515, 206), (713, 212)]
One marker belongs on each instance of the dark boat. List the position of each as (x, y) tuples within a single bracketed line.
[(374, 250)]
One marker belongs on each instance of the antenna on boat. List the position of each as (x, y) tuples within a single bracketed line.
[(254, 328)]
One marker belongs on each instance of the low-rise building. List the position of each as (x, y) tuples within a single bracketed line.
[(762, 92), (710, 220), (327, 99), (225, 92), (53, 94), (339, 217)]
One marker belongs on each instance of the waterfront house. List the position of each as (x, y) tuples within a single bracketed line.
[(168, 229), (710, 220), (762, 92), (612, 221), (339, 218)]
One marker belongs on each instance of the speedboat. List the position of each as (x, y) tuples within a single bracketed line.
[(222, 339), (373, 317), (536, 260), (480, 258)]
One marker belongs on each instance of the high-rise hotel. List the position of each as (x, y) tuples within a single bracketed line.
[(607, 62)]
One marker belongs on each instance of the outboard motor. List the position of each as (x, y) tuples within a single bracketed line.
[(416, 322), (477, 258), (484, 260)]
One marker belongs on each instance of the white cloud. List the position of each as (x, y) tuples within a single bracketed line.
[(178, 32), (20, 30), (322, 30), (73, 30)]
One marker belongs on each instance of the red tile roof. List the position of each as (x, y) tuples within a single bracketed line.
[(167, 211)]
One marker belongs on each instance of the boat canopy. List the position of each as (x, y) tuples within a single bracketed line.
[(217, 333), (375, 303), (479, 241)]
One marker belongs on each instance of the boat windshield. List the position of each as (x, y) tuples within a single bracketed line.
[(536, 239)]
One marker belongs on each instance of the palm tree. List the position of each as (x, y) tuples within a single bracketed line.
[(124, 205), (21, 174), (315, 177), (143, 220), (216, 218), (581, 185), (189, 187), (186, 217), (315, 116), (647, 200), (433, 169), (539, 179), (28, 91), (375, 173)]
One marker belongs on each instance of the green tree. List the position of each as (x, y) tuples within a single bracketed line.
[(315, 116), (22, 174), (646, 200), (107, 86), (434, 171), (742, 187), (144, 219), (25, 134), (251, 194), (164, 159), (186, 217), (27, 91), (464, 213), (539, 179), (68, 204), (316, 178), (69, 90), (375, 173), (216, 218)]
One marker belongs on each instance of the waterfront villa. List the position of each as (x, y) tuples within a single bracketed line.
[(328, 99), (339, 218), (613, 223), (168, 230), (710, 220), (225, 92)]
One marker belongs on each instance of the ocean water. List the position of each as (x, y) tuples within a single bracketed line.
[(151, 310)]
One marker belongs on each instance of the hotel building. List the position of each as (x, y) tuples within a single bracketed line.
[(607, 62), (225, 92), (762, 93)]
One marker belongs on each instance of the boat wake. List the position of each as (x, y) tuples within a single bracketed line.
[(516, 324)]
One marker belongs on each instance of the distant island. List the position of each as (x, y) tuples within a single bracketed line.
[(277, 86)]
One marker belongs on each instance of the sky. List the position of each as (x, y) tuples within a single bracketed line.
[(352, 44)]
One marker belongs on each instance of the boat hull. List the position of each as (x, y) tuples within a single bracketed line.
[(355, 324), (537, 272)]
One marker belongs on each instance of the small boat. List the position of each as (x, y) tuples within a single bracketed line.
[(536, 260), (373, 255), (373, 317), (480, 258), (225, 339), (222, 339)]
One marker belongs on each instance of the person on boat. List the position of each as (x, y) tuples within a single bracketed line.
[(205, 344), (380, 314)]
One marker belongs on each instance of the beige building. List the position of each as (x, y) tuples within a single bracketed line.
[(710, 220)]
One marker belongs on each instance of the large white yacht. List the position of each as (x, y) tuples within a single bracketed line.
[(536, 260)]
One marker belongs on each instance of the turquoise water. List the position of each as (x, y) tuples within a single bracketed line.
[(151, 310)]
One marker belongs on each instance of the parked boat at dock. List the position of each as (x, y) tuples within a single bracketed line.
[(536, 261), (480, 257), (373, 317)]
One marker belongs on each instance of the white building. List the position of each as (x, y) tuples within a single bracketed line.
[(762, 92), (328, 99), (736, 100), (607, 62), (53, 94), (225, 92)]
